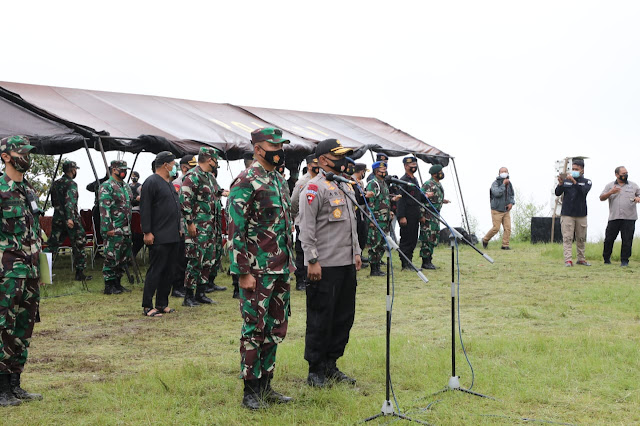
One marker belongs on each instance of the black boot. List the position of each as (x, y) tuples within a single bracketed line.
[(110, 287), (375, 270), (189, 300), (7, 398), (426, 263), (332, 372), (178, 292), (80, 276), (236, 287), (18, 392), (120, 287), (269, 395), (251, 398), (214, 287), (301, 285), (316, 377), (202, 298)]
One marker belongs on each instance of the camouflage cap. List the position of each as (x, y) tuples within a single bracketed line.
[(68, 164), (209, 152), (19, 144), (119, 164), (268, 134), (437, 168)]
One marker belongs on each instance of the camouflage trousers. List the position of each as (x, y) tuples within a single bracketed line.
[(117, 254), (429, 232), (200, 256), (19, 299), (376, 243), (77, 236), (265, 314), (217, 259)]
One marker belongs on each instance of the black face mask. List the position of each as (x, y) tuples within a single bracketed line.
[(339, 165), (134, 179), (214, 170), (413, 169), (382, 175), (21, 164), (350, 169), (440, 176), (275, 158), (74, 175), (315, 170), (624, 177)]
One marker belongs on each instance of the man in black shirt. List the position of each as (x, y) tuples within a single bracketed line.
[(408, 211), (160, 217), (135, 190)]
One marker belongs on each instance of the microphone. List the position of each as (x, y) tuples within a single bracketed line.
[(396, 181), (336, 178)]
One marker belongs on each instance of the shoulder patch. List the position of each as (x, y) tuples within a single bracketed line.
[(312, 191)]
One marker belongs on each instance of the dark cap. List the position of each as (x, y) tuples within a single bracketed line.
[(360, 167), (332, 146), (268, 134), (189, 159), (378, 164), (312, 159), (18, 144), (436, 168), (381, 157), (409, 159), (165, 157)]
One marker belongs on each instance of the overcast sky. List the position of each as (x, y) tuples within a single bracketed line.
[(516, 84)]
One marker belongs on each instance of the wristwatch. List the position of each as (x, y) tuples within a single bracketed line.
[(313, 261)]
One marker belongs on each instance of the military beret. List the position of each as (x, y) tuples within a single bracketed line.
[(350, 160), (119, 164), (208, 152), (165, 157), (378, 164), (409, 159), (68, 164), (19, 144), (436, 168), (382, 157), (268, 134)]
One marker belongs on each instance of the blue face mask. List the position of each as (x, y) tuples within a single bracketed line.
[(174, 171), (575, 174)]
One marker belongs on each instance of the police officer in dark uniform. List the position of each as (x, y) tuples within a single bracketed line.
[(409, 211)]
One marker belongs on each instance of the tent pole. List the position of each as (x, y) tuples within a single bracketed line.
[(46, 201), (93, 167), (104, 157), (419, 173), (464, 209), (133, 167)]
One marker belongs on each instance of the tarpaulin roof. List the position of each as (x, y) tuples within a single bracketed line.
[(157, 123)]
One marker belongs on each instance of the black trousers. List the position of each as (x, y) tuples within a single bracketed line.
[(301, 270), (409, 235), (162, 264), (181, 267), (625, 228), (331, 308)]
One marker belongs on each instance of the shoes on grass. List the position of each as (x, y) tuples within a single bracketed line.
[(568, 263), (583, 263)]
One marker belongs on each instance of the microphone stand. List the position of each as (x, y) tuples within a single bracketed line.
[(454, 381), (387, 408)]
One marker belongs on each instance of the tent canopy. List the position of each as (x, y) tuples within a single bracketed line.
[(59, 119)]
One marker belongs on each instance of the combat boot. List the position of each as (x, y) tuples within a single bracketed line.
[(332, 372), (110, 288), (119, 286), (316, 377), (301, 284), (80, 276), (18, 392), (178, 292), (189, 300), (375, 270), (7, 398), (214, 287), (426, 263), (268, 394), (251, 398)]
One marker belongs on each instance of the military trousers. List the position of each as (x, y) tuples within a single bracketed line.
[(162, 266), (18, 306), (331, 308), (376, 243), (409, 235), (200, 256), (217, 258), (117, 254), (429, 233), (77, 237), (265, 318)]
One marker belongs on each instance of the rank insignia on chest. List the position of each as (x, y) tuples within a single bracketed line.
[(312, 191), (337, 202), (337, 213)]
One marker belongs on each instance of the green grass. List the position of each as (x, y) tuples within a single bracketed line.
[(549, 343)]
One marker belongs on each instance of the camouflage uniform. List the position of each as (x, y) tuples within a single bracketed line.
[(260, 229), (217, 232), (380, 205), (115, 215), (64, 197), (20, 247), (197, 198), (430, 229)]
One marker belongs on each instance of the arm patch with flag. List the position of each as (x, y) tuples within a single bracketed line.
[(312, 191)]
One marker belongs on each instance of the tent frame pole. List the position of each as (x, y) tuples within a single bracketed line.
[(93, 167), (133, 167), (464, 209), (53, 178), (104, 157)]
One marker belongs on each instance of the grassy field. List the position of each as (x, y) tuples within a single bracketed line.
[(550, 343)]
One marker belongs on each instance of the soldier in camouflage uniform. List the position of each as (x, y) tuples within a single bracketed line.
[(260, 228), (197, 199), (217, 224), (114, 199), (380, 204), (66, 218), (429, 224), (20, 247)]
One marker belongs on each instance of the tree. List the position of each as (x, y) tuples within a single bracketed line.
[(521, 215), (40, 174)]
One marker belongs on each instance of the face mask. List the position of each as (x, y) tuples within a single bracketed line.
[(21, 164), (413, 169), (339, 165), (382, 175), (315, 170), (575, 174), (504, 175), (624, 177), (214, 170), (440, 176), (275, 158), (351, 170), (134, 179), (122, 174), (74, 175)]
